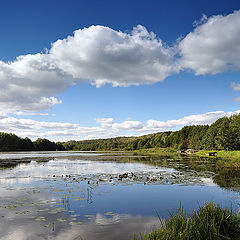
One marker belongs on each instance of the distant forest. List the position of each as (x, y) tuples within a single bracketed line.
[(224, 134)]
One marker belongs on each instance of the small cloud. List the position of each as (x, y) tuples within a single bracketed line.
[(237, 99), (235, 86), (29, 113), (201, 21)]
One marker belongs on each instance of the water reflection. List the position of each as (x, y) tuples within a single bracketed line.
[(12, 163), (42, 154), (102, 228), (104, 197)]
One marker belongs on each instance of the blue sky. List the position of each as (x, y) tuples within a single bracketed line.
[(131, 68)]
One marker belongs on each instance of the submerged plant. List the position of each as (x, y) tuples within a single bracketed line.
[(210, 222)]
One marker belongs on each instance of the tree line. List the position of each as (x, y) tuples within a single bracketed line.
[(11, 142), (224, 134)]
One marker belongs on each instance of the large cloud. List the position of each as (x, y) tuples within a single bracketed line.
[(214, 46), (101, 55), (97, 55)]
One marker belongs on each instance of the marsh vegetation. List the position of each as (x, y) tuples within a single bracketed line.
[(209, 222)]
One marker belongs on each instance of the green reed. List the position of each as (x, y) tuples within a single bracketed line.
[(210, 222)]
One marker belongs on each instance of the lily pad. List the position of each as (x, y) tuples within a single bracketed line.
[(61, 220), (40, 219)]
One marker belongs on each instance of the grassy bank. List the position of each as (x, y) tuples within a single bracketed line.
[(221, 153), (210, 222), (225, 158)]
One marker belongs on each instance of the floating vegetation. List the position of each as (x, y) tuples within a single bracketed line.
[(110, 214), (57, 210), (75, 223), (163, 177), (51, 201), (24, 212), (43, 210), (34, 191), (61, 220), (40, 218), (10, 189), (12, 206), (47, 225), (37, 204)]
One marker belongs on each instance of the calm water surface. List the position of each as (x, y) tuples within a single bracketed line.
[(74, 195)]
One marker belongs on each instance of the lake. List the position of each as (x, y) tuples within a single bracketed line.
[(82, 195)]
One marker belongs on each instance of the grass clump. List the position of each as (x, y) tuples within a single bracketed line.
[(210, 222)]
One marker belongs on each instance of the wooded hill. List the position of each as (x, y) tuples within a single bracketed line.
[(224, 134)]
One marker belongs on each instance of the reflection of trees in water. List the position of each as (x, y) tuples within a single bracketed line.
[(12, 163), (86, 195), (65, 202), (225, 176), (228, 177), (89, 195), (4, 164)]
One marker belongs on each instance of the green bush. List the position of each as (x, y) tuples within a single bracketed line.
[(210, 222)]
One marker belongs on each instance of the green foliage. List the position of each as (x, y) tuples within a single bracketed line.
[(44, 145), (190, 136), (224, 134), (11, 142), (210, 222)]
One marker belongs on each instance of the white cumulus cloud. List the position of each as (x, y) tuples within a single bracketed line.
[(102, 55), (97, 55), (214, 46)]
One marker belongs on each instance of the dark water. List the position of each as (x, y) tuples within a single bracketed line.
[(61, 195)]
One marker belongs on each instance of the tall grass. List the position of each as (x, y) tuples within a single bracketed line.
[(210, 222)]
